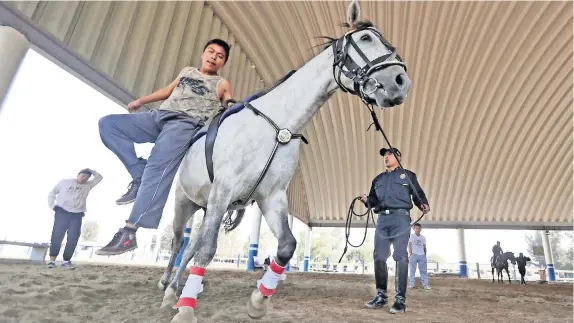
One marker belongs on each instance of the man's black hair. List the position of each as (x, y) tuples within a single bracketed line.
[(418, 225), (221, 43)]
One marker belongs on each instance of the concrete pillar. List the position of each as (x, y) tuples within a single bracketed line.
[(307, 258), (463, 269), (186, 234), (254, 240), (13, 48), (290, 221), (550, 275)]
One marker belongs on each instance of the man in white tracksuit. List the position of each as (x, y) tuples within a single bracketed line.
[(418, 256)]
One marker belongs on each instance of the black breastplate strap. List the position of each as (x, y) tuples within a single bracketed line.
[(283, 137)]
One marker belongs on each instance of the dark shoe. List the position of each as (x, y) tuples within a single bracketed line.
[(67, 265), (379, 301), (131, 194), (52, 264), (123, 241), (398, 307), (381, 279)]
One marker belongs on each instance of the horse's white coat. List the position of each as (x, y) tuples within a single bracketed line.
[(245, 142)]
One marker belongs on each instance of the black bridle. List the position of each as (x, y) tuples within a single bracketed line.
[(363, 83)]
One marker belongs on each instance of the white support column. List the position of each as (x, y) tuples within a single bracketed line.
[(550, 275), (290, 221), (463, 269), (13, 48), (254, 241), (307, 258)]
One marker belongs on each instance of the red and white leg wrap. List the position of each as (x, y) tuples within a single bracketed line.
[(268, 283), (192, 288)]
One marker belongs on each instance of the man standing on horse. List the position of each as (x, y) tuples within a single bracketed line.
[(521, 262), (496, 252), (189, 101), (390, 197)]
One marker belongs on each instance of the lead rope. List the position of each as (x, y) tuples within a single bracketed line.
[(369, 211)]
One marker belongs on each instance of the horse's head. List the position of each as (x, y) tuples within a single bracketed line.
[(510, 256), (367, 65)]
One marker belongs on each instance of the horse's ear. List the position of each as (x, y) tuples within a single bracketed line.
[(353, 13)]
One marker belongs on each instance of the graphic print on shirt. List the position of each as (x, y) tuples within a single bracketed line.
[(73, 187), (197, 86)]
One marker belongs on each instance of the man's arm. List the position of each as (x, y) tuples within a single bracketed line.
[(372, 200), (158, 95), (410, 248), (224, 92), (419, 192), (97, 179), (425, 246), (52, 196)]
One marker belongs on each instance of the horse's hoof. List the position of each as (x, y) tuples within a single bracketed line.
[(169, 299), (185, 315), (257, 305)]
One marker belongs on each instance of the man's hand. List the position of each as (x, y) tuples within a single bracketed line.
[(364, 198), (426, 208), (134, 106)]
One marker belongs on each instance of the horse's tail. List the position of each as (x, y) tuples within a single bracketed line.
[(230, 224)]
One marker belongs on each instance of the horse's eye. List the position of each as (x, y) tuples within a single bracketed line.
[(366, 37)]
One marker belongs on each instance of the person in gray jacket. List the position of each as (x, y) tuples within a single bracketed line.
[(68, 200)]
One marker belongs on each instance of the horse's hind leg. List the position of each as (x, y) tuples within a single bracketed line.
[(508, 274), (275, 210), (184, 210), (204, 248)]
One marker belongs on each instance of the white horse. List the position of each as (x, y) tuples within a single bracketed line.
[(254, 157)]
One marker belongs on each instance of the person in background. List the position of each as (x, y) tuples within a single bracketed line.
[(68, 200), (418, 256), (521, 262)]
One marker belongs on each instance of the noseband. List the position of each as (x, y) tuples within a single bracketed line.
[(361, 76)]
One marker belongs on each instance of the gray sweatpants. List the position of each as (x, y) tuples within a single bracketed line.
[(390, 225), (172, 133)]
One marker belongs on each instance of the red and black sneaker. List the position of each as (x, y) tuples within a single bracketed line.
[(123, 241)]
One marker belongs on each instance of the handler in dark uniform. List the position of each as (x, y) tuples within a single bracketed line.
[(521, 262), (390, 198)]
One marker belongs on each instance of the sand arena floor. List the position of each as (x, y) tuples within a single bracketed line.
[(128, 294)]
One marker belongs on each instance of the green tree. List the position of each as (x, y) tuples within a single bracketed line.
[(562, 249), (435, 258)]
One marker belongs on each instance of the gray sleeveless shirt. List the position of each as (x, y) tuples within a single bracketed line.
[(195, 94)]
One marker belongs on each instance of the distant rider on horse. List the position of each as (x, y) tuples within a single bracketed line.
[(496, 251)]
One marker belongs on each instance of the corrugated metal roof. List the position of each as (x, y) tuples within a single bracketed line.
[(487, 126)]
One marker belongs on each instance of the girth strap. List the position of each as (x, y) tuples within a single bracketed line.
[(210, 137)]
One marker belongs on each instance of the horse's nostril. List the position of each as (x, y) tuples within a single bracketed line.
[(400, 79)]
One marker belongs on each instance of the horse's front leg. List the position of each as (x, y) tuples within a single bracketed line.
[(170, 294), (493, 274), (275, 211), (203, 250), (508, 274)]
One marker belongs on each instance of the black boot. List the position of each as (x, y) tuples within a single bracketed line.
[(401, 277), (381, 278)]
